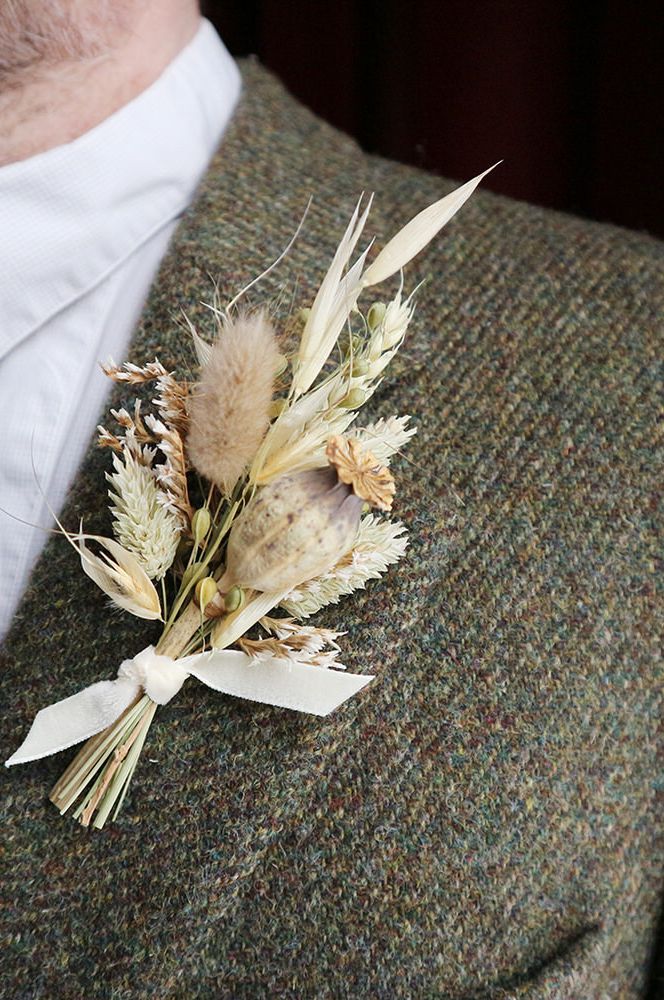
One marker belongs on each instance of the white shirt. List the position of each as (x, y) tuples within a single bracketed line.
[(83, 229)]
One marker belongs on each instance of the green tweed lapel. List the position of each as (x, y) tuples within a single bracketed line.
[(471, 823)]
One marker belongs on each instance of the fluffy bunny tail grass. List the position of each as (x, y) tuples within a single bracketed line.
[(229, 407)]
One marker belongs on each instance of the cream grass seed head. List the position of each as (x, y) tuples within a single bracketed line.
[(385, 437), (141, 523), (379, 543)]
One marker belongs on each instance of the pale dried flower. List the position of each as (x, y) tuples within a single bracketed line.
[(360, 470), (386, 436), (379, 544), (141, 523), (291, 530), (229, 408)]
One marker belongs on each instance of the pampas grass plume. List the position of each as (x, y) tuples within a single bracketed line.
[(229, 407)]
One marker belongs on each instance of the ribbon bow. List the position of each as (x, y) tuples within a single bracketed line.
[(284, 683)]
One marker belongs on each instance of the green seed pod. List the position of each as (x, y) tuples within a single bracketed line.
[(200, 524), (376, 315), (206, 590), (292, 530), (234, 599), (353, 399), (359, 367)]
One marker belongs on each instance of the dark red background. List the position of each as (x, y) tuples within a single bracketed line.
[(568, 94)]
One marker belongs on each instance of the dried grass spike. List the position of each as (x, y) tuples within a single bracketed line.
[(229, 407), (172, 474), (172, 403), (107, 440), (369, 479), (133, 374)]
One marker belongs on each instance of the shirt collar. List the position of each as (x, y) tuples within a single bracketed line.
[(72, 214)]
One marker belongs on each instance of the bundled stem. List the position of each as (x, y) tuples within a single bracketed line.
[(99, 776)]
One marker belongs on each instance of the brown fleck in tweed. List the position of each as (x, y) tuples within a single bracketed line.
[(481, 821)]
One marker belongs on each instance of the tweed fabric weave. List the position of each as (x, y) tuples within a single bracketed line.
[(481, 820)]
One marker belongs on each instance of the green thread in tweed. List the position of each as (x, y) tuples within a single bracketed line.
[(481, 822)]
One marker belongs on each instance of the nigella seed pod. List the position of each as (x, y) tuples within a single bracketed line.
[(294, 529)]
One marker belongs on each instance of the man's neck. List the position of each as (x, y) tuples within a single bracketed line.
[(59, 103)]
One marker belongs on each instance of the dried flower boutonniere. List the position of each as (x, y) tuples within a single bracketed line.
[(243, 502)]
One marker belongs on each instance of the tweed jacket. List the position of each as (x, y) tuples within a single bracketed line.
[(480, 821)]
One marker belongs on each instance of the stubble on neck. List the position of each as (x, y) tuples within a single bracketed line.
[(66, 65)]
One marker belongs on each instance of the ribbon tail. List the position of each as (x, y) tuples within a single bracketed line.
[(74, 719), (284, 683)]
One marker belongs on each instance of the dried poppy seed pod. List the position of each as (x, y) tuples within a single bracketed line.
[(294, 528), (298, 526)]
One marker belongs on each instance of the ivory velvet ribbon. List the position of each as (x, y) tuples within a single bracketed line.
[(280, 682)]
